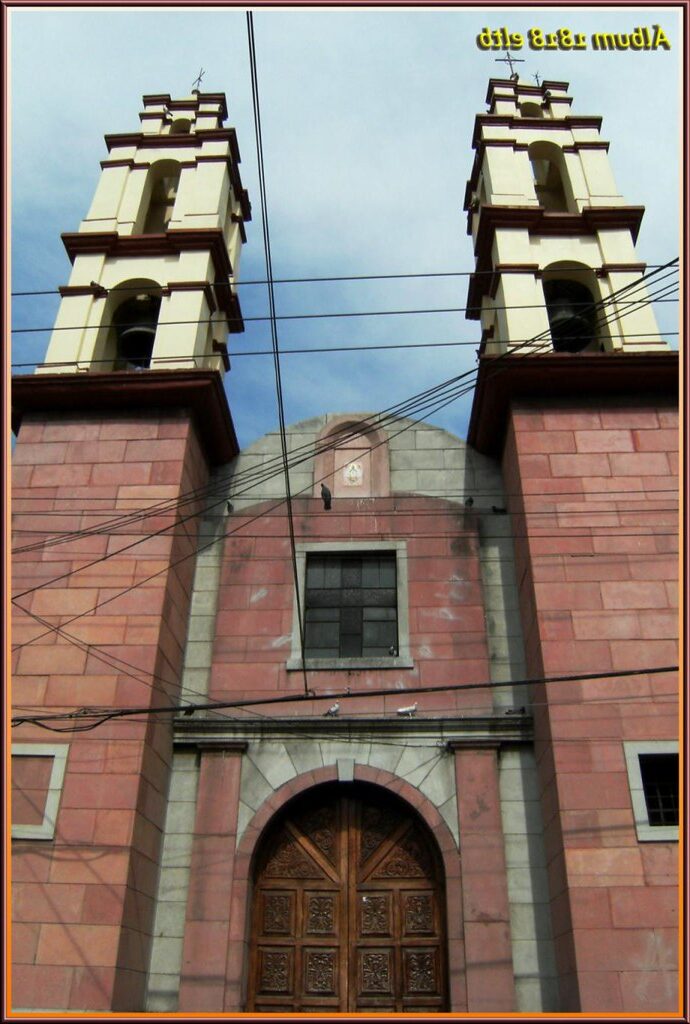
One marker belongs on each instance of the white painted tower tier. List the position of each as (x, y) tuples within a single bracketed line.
[(156, 258), (556, 267)]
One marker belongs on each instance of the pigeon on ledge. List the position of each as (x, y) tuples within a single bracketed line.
[(409, 711), (326, 495), (333, 710)]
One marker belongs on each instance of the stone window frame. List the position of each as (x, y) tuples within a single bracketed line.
[(58, 752), (403, 658), (633, 748)]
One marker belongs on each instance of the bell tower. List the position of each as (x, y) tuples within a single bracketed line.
[(576, 395), (118, 434), (556, 268), (156, 257)]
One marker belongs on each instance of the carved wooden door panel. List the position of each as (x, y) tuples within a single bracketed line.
[(348, 909)]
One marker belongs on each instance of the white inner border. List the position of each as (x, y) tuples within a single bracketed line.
[(633, 748), (58, 752), (403, 658)]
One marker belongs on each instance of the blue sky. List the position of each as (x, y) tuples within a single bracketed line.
[(367, 121)]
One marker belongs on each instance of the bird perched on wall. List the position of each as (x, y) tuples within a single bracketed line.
[(333, 710), (469, 502), (326, 495), (409, 711)]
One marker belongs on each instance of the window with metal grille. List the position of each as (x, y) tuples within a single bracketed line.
[(660, 784), (351, 607)]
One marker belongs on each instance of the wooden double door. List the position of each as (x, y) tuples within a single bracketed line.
[(348, 908)]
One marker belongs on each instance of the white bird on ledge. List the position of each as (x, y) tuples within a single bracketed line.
[(409, 711), (333, 710)]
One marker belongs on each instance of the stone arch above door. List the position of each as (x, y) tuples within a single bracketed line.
[(269, 768), (352, 459)]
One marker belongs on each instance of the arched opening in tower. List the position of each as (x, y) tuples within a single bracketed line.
[(572, 315), (165, 180), (135, 322), (528, 109), (550, 177)]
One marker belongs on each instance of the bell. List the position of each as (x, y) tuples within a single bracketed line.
[(572, 317), (135, 326)]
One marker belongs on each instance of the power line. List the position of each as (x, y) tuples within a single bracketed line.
[(587, 306), (326, 350), (635, 699), (274, 330), (68, 536), (316, 449), (436, 389), (119, 665), (118, 527), (597, 532), (41, 720), (334, 278), (154, 575), (397, 497), (294, 316), (375, 420)]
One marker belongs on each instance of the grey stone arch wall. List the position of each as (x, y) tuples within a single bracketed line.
[(430, 461)]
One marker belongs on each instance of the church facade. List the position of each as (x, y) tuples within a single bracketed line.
[(306, 768)]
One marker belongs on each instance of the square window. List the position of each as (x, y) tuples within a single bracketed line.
[(365, 585), (660, 784), (38, 771), (653, 776), (353, 599)]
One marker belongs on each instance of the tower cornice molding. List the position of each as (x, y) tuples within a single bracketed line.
[(140, 140), (566, 123), (522, 87), (143, 140), (143, 165), (172, 243), (571, 147), (194, 101), (537, 221), (199, 391), (241, 193), (502, 379)]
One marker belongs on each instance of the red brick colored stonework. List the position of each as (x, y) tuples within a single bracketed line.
[(489, 956), (595, 517), (88, 894), (254, 622)]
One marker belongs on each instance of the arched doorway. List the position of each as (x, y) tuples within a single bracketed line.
[(348, 907)]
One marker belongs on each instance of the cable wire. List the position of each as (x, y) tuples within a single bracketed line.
[(200, 548), (274, 331), (283, 316), (346, 277), (41, 720)]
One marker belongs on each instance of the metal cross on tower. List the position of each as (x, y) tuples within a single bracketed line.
[(536, 78), (510, 60), (197, 81)]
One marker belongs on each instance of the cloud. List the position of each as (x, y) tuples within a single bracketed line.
[(367, 120)]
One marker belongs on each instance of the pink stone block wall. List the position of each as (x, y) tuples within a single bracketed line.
[(83, 902), (594, 497), (30, 781), (446, 611)]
